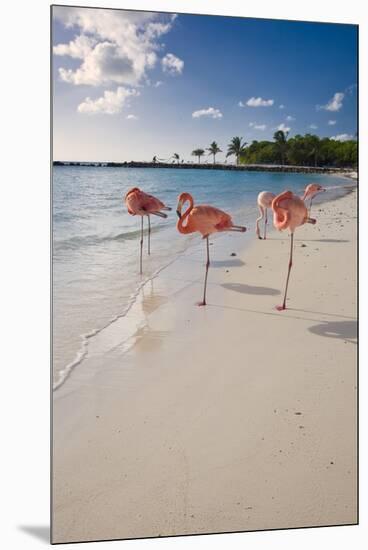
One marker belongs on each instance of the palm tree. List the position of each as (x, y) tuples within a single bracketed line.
[(198, 153), (236, 147), (176, 157), (281, 142), (213, 150)]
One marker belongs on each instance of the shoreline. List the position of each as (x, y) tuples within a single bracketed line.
[(217, 166), (213, 419)]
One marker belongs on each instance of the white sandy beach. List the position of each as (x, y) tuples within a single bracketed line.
[(231, 417)]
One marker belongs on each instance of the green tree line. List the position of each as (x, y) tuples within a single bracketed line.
[(307, 150)]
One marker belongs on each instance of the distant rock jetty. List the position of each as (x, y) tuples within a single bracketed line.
[(208, 166)]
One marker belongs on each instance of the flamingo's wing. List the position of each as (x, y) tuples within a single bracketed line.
[(225, 222), (133, 201), (208, 219), (151, 203)]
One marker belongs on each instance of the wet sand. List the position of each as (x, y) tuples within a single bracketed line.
[(231, 417)]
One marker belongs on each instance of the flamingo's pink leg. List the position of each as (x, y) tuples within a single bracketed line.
[(265, 224), (281, 308), (203, 303), (141, 245), (149, 235), (261, 209)]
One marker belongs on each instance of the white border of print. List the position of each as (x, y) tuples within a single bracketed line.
[(24, 353)]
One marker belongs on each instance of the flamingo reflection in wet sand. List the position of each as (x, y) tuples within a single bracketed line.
[(311, 190), (206, 220), (289, 212), (264, 201), (141, 204)]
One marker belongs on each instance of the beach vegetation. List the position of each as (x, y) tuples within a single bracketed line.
[(308, 150), (198, 153), (236, 147), (280, 138), (213, 149)]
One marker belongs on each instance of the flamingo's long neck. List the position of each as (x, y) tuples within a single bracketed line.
[(185, 228)]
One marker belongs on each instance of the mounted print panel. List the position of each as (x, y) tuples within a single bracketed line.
[(204, 190)]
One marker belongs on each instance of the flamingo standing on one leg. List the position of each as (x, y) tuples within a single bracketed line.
[(264, 201), (206, 220), (140, 203), (311, 190), (289, 213)]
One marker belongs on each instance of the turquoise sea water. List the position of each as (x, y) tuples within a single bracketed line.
[(96, 242)]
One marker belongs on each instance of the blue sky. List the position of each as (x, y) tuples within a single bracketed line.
[(130, 85)]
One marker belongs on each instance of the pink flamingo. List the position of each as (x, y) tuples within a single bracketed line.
[(206, 220), (311, 190), (289, 213), (141, 204), (264, 201)]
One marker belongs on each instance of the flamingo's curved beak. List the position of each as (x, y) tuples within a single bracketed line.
[(178, 213)]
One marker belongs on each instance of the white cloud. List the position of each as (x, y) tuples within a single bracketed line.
[(342, 137), (334, 104), (241, 104), (110, 103), (331, 122), (313, 126), (210, 112), (114, 46), (259, 102), (77, 48), (290, 118), (281, 106), (158, 84), (172, 64), (283, 128), (257, 126), (132, 117)]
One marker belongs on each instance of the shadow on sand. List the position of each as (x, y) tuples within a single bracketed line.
[(344, 330), (311, 240), (324, 240), (41, 532), (249, 289), (227, 263)]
